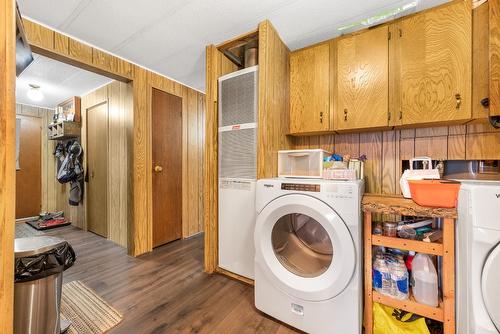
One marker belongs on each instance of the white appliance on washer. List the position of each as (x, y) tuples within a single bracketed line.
[(478, 258), (308, 253)]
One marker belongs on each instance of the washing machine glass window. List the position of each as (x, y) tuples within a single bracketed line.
[(302, 245)]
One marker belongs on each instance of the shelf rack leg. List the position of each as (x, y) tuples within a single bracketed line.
[(449, 275), (368, 273)]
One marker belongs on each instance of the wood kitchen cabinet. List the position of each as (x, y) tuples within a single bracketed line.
[(310, 90), (434, 53), (362, 86)]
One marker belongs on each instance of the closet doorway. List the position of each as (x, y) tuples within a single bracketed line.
[(97, 169), (167, 167)]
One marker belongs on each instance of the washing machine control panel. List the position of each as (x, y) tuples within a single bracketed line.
[(301, 187)]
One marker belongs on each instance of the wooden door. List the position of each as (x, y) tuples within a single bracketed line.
[(167, 167), (310, 90), (435, 51), (363, 80), (29, 174), (97, 169)]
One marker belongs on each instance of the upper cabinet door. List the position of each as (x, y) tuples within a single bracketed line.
[(363, 80), (494, 51), (310, 90), (435, 54)]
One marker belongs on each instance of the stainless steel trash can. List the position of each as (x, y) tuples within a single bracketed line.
[(40, 262)]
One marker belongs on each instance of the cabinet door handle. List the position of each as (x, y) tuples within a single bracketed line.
[(345, 114), (321, 117), (458, 97)]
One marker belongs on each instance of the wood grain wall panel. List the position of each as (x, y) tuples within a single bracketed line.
[(371, 145), (191, 166), (435, 147), (457, 130), (494, 51), (456, 147), (274, 82), (483, 146), (483, 127), (214, 61), (142, 241), (347, 143), (201, 157), (61, 43), (185, 170), (7, 162), (389, 177), (406, 148), (327, 143), (39, 35), (80, 51), (431, 132), (480, 60), (119, 113)]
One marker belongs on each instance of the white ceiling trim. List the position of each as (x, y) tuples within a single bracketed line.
[(109, 52)]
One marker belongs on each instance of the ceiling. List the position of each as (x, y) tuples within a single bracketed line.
[(169, 36), (58, 81)]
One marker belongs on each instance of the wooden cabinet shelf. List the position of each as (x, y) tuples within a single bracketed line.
[(410, 305), (63, 130), (432, 248), (396, 205)]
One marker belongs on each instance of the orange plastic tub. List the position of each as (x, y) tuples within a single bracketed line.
[(435, 193)]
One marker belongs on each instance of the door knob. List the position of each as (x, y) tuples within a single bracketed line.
[(158, 169)]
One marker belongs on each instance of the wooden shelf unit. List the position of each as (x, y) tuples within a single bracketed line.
[(396, 205), (63, 130)]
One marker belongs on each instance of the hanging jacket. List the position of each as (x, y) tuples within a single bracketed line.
[(71, 167)]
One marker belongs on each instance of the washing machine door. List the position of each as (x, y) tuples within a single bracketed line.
[(304, 247), (490, 285)]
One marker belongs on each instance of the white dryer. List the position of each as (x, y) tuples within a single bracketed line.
[(308, 254), (478, 258)]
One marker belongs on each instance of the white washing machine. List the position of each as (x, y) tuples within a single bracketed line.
[(478, 258), (308, 254)]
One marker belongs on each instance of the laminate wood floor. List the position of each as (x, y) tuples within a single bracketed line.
[(165, 291)]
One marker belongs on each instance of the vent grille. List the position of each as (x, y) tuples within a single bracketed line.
[(238, 99), (237, 154)]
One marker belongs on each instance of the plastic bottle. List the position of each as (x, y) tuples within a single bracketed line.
[(381, 276), (425, 280), (400, 282)]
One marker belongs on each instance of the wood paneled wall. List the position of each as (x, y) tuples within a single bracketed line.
[(58, 46), (385, 150), (118, 97), (274, 93), (7, 162)]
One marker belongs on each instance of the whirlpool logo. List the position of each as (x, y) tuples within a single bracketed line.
[(272, 186)]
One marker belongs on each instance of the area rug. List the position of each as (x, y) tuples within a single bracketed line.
[(23, 230), (88, 313)]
